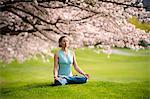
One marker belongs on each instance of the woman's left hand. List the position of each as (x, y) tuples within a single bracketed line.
[(87, 76)]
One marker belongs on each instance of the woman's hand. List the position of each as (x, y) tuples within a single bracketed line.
[(87, 76), (56, 78)]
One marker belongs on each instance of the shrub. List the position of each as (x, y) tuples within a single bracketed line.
[(144, 43), (140, 25)]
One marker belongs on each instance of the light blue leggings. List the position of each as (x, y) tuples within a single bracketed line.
[(63, 80)]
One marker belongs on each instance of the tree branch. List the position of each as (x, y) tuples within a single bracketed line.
[(27, 21), (117, 3), (35, 16), (41, 5)]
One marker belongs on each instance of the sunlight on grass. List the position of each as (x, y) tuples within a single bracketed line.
[(140, 25), (115, 78)]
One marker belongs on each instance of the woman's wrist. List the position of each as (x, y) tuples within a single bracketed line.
[(83, 74), (86, 75)]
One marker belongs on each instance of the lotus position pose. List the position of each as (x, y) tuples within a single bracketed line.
[(63, 61)]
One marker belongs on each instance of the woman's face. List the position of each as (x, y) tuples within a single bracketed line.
[(65, 42)]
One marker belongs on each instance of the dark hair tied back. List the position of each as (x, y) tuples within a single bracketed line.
[(60, 39)]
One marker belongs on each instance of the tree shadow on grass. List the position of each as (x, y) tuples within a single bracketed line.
[(4, 91), (39, 85)]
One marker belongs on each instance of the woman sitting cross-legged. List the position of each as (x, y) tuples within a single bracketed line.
[(63, 61)]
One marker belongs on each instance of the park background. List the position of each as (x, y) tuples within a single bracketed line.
[(111, 40)]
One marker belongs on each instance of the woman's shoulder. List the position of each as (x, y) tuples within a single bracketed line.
[(72, 51), (57, 52)]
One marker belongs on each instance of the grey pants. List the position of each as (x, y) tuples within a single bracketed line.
[(63, 80)]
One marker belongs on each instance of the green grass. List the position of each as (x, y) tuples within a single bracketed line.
[(119, 77), (140, 52), (140, 25)]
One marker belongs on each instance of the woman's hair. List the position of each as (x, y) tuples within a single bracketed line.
[(60, 39)]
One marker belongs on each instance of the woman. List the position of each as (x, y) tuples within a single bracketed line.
[(63, 61)]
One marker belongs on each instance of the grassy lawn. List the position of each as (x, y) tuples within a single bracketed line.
[(119, 77)]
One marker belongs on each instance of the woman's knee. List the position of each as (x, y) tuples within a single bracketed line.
[(77, 80), (60, 81)]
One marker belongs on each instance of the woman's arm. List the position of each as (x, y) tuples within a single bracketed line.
[(77, 68), (56, 66)]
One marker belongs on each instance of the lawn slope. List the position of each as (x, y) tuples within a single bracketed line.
[(117, 77)]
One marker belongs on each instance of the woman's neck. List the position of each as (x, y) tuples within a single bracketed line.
[(65, 49)]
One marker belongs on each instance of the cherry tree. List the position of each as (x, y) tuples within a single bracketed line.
[(30, 27)]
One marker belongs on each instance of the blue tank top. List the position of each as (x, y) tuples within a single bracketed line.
[(65, 63)]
